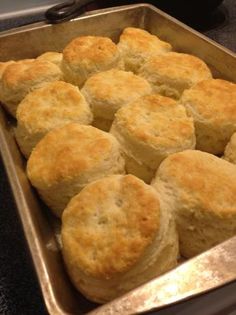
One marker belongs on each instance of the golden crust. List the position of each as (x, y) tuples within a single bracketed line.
[(87, 55), (107, 91), (179, 66), (52, 56), (86, 49), (108, 226), (3, 66), (141, 40), (44, 109), (156, 120), (52, 105), (24, 76), (174, 70), (71, 151), (137, 45), (22, 72), (213, 99), (212, 103), (202, 181)]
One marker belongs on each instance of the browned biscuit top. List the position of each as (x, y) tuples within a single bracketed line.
[(156, 120), (116, 86), (52, 56), (142, 41), (202, 181), (55, 103), (109, 224), (71, 151), (86, 49), (214, 100), (26, 72), (107, 91), (176, 66), (4, 65)]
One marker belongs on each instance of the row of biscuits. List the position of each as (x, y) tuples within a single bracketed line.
[(118, 231), (88, 55)]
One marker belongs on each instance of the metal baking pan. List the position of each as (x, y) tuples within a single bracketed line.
[(212, 269)]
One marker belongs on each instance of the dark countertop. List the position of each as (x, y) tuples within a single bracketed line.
[(19, 290)]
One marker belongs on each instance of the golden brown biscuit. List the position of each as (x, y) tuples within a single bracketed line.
[(110, 90), (116, 235), (52, 56), (200, 188), (3, 66), (149, 129), (55, 104), (137, 45), (24, 76), (70, 157), (87, 55), (212, 104), (172, 73)]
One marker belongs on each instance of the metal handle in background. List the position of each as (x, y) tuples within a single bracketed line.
[(199, 275), (65, 11)]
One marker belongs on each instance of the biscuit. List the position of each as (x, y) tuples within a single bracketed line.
[(116, 235), (52, 56), (149, 129), (212, 104), (137, 45), (230, 150), (24, 76), (172, 73), (108, 91), (3, 66), (70, 157), (55, 104), (87, 55), (200, 189)]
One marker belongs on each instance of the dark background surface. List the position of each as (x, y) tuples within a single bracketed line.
[(19, 290)]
